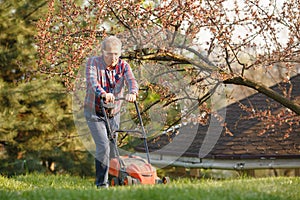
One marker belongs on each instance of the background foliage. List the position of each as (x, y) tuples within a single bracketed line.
[(37, 131)]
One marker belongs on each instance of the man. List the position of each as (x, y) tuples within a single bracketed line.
[(106, 76)]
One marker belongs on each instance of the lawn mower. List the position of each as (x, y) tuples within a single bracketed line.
[(130, 169)]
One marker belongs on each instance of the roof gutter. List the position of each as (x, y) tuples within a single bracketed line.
[(233, 165), (226, 164)]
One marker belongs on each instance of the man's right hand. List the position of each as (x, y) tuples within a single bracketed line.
[(108, 97)]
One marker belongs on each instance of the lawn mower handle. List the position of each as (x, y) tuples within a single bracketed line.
[(140, 121), (143, 130)]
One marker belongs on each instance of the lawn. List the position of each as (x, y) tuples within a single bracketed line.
[(39, 186)]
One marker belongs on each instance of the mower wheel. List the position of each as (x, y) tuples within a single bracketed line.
[(114, 181), (128, 180), (166, 180)]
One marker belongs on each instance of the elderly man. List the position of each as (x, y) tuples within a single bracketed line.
[(106, 76)]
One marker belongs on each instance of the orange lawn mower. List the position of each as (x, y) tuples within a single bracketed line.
[(130, 169)]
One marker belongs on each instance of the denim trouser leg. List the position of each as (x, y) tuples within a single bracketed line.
[(101, 173), (103, 148), (99, 134)]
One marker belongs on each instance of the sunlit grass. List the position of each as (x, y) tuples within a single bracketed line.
[(38, 186)]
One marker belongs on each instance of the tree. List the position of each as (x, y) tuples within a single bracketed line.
[(33, 115), (17, 49), (211, 42), (36, 119)]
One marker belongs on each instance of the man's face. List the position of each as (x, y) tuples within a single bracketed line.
[(111, 55)]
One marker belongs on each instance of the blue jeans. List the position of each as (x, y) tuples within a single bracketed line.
[(104, 147)]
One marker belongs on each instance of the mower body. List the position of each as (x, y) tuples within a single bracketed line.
[(136, 170)]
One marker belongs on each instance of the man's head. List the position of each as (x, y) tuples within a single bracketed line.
[(111, 50)]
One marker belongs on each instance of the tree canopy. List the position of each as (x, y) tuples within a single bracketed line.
[(253, 44)]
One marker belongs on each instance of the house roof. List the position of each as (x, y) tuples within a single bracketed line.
[(246, 142)]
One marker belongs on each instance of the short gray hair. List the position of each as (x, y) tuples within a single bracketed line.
[(112, 40)]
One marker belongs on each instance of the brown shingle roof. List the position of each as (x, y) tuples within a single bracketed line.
[(246, 142)]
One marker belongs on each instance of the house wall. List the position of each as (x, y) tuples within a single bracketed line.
[(276, 172), (223, 174)]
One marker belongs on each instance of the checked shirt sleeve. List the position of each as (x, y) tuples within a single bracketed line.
[(92, 77), (94, 89)]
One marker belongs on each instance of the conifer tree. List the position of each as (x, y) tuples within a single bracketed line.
[(36, 122), (17, 27)]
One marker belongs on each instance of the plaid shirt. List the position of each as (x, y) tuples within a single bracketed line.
[(100, 80)]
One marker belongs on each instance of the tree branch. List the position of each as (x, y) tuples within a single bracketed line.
[(265, 90), (35, 10), (169, 56)]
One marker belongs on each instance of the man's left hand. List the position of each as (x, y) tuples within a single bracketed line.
[(130, 97)]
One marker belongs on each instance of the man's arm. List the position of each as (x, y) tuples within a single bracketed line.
[(130, 80), (92, 77), (131, 83)]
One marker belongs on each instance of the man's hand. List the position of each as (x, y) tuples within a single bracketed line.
[(109, 97), (130, 97)]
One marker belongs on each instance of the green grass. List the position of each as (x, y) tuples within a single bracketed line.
[(38, 186)]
